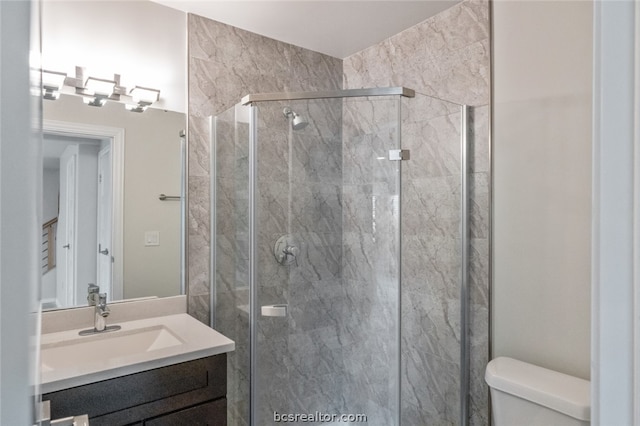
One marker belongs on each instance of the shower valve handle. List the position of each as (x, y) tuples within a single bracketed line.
[(286, 250), (291, 251)]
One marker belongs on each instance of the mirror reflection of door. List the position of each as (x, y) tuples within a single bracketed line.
[(105, 249), (66, 247), (81, 204)]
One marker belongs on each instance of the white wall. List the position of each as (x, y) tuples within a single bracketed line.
[(542, 183), (142, 41), (20, 218)]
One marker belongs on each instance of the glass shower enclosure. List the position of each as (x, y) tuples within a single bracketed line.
[(317, 202)]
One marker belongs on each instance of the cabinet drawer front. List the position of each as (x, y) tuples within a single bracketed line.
[(210, 414), (187, 383)]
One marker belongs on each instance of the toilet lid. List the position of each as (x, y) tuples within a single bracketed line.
[(557, 391)]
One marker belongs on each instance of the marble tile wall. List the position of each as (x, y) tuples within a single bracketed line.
[(344, 273), (446, 56), (299, 356), (225, 64), (371, 271), (300, 366)]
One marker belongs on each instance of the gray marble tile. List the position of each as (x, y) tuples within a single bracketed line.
[(212, 91), (198, 307), (479, 186), (225, 64), (310, 314), (363, 69), (316, 261), (479, 158), (456, 27), (199, 146), (316, 159), (435, 147), (372, 115), (199, 199), (479, 391), (432, 325), (425, 108), (273, 209), (343, 293), (313, 71), (324, 116), (230, 210), (430, 389), (273, 155), (464, 74), (432, 207), (316, 207), (224, 144), (270, 273), (479, 271), (445, 56)]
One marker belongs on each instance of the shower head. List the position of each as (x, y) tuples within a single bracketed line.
[(298, 123)]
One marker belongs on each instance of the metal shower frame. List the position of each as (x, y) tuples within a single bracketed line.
[(466, 135)]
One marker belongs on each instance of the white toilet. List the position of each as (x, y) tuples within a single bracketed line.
[(525, 394)]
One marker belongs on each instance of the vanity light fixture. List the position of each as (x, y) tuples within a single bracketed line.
[(97, 101), (142, 98), (98, 91), (52, 82), (99, 86)]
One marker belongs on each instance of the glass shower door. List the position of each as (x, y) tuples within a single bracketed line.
[(325, 270), (230, 243)]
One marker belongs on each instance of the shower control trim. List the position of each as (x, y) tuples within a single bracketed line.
[(286, 250)]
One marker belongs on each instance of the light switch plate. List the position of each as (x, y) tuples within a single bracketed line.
[(152, 238)]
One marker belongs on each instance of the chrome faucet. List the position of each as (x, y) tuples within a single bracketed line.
[(101, 312)]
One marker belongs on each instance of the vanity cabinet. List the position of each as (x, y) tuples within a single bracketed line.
[(190, 393)]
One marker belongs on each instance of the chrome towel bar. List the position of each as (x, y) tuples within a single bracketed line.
[(163, 197)]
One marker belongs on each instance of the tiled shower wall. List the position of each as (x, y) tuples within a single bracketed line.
[(446, 56), (225, 64)]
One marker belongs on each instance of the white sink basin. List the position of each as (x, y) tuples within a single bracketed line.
[(69, 360), (111, 345)]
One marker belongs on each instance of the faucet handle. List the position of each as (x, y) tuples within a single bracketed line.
[(91, 291), (102, 304)]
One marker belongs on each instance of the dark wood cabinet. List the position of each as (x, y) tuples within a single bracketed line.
[(189, 393)]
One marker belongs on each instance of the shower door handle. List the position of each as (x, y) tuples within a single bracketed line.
[(274, 310)]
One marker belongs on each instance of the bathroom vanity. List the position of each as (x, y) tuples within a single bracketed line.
[(161, 367), (189, 393)]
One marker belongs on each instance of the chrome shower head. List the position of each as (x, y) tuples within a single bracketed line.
[(298, 123)]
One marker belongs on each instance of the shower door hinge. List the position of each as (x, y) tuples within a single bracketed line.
[(398, 154)]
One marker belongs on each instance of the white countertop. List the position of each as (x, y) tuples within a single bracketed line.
[(179, 338)]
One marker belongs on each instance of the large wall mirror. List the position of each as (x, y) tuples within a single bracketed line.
[(113, 170)]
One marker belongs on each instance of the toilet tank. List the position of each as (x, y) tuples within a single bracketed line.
[(525, 394)]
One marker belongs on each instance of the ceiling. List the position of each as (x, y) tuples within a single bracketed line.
[(336, 28)]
